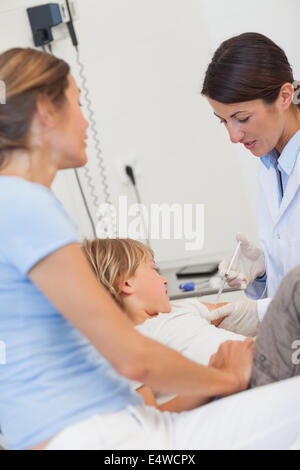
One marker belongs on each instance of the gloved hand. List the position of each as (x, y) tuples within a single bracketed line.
[(241, 317), (249, 264)]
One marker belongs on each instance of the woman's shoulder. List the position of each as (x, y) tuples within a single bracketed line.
[(25, 201), (20, 190)]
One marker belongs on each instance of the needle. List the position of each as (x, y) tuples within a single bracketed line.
[(228, 271)]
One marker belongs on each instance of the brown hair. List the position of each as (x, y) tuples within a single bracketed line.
[(27, 73), (247, 67), (115, 259)]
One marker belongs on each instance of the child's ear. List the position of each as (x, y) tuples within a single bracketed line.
[(127, 287)]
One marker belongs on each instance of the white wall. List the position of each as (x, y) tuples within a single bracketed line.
[(145, 61)]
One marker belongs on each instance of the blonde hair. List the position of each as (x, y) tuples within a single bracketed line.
[(27, 74), (114, 260)]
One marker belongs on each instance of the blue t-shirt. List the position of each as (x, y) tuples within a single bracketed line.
[(53, 376)]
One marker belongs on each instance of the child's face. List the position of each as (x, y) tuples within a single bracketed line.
[(150, 289)]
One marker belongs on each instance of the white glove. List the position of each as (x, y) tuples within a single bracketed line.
[(241, 317), (249, 264)]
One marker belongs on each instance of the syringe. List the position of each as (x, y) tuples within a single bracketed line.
[(228, 271)]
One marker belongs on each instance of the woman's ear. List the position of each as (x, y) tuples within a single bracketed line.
[(286, 95), (45, 112)]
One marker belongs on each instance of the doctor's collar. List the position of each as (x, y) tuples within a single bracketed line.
[(270, 158), (286, 161)]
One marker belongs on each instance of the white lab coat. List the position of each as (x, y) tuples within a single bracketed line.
[(279, 230)]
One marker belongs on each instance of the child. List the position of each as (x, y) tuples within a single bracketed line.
[(127, 269)]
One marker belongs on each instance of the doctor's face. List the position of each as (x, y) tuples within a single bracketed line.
[(256, 125)]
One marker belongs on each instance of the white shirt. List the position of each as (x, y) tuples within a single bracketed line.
[(278, 220)]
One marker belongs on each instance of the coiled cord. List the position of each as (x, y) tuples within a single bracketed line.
[(95, 137), (106, 216)]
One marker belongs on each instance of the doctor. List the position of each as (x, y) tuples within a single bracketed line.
[(249, 84)]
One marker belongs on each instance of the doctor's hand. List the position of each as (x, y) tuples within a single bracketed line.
[(240, 317), (235, 357), (249, 265)]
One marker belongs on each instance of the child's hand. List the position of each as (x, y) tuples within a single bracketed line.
[(213, 307)]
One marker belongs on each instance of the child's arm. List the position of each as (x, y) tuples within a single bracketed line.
[(177, 404), (213, 307), (147, 395), (229, 352), (183, 403)]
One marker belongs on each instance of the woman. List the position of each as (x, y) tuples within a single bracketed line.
[(249, 84), (67, 342)]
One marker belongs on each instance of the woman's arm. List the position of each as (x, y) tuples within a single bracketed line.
[(69, 283)]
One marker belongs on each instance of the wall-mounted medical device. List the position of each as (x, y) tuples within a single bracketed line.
[(42, 19)]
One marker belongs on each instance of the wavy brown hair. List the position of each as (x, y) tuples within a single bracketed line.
[(27, 74)]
